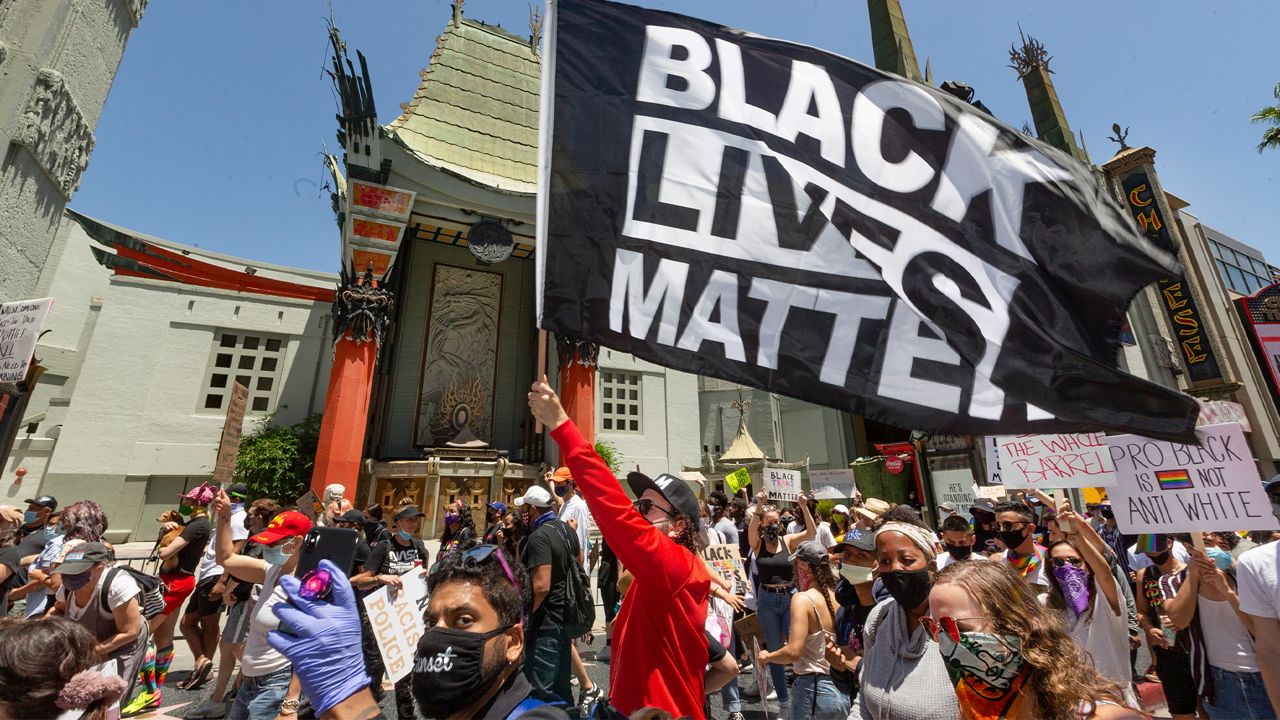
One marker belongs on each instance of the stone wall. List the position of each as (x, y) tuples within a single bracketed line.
[(58, 59)]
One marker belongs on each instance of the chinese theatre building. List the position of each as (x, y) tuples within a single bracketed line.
[(428, 398)]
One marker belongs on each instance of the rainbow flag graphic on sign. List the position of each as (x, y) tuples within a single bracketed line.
[(1173, 479)]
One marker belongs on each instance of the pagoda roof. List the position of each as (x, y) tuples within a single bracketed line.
[(743, 447), (476, 111)]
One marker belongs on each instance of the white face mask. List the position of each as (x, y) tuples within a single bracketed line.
[(856, 574)]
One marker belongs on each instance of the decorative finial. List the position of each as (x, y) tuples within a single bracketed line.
[(1030, 57), (535, 27), (741, 405), (457, 11), (928, 71), (1119, 137)]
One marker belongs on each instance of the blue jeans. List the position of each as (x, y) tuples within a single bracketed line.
[(259, 697), (730, 696), (1239, 696), (816, 697), (774, 610)]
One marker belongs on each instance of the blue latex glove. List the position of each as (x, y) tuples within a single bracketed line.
[(322, 640)]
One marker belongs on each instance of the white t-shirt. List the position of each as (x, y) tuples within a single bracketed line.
[(1256, 581), (822, 534), (122, 590), (209, 566), (1104, 635), (259, 657), (576, 508), (944, 559), (1138, 560), (1228, 644)]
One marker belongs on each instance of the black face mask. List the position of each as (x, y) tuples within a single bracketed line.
[(449, 671), (959, 552), (1011, 538), (770, 532), (1108, 514), (1159, 558), (909, 587)]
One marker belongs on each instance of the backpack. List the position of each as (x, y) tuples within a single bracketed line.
[(151, 600), (580, 607)]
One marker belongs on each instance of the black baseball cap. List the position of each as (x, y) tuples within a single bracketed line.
[(48, 501), (409, 511), (84, 557), (675, 490), (237, 490), (352, 516)]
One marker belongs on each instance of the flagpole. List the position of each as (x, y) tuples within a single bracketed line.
[(541, 369)]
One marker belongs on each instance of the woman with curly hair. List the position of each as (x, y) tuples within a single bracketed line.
[(80, 522), (459, 529), (48, 669), (814, 695), (1009, 656)]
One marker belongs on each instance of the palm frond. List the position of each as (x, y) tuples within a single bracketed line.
[(1270, 139)]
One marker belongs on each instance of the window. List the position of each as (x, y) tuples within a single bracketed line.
[(620, 401), (1241, 273), (256, 361)]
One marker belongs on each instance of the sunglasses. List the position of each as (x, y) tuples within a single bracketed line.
[(950, 625), (1075, 562), (644, 505), (1007, 526), (481, 554)]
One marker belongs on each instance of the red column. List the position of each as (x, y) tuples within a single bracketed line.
[(346, 413), (578, 395)]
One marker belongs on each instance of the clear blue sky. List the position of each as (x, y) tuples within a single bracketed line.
[(213, 131)]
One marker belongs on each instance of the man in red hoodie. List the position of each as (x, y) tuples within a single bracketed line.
[(659, 645)]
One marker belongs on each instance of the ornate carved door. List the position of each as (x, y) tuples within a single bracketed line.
[(392, 490)]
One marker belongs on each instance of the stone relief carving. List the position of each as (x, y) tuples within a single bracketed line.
[(136, 8), (55, 131), (461, 359)]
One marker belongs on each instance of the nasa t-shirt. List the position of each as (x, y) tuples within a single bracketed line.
[(393, 558)]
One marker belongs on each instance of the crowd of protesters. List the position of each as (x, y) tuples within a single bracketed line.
[(1029, 610)]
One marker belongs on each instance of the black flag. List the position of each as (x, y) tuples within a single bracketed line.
[(779, 216)]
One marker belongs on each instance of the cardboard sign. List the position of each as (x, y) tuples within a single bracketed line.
[(1062, 460), (991, 492), (748, 629), (991, 447), (840, 479), (954, 488), (20, 324), (738, 479), (695, 477), (229, 446), (725, 561), (782, 484), (309, 504), (1168, 487), (397, 622)]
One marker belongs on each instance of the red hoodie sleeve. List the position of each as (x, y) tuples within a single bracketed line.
[(643, 549)]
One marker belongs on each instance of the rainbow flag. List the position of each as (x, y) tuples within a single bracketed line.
[(1173, 479), (1147, 544)]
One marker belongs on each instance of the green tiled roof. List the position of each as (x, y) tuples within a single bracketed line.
[(476, 111)]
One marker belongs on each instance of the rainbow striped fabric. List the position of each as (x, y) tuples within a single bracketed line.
[(1173, 479)]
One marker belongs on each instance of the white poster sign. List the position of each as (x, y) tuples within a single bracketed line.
[(1168, 487), (991, 492), (397, 622), (20, 324), (954, 488), (840, 480), (991, 449), (782, 484), (1062, 460)]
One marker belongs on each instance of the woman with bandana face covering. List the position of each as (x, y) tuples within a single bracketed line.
[(1008, 657), (266, 671), (1088, 597), (903, 677)]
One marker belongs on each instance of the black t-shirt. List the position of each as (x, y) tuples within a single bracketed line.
[(393, 558), (196, 533), (31, 544), (553, 543)]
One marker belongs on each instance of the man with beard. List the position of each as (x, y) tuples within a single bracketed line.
[(468, 662), (493, 513)]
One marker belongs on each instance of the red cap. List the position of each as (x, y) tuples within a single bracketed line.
[(287, 524)]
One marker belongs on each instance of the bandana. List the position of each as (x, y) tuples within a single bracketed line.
[(988, 672), (1074, 584), (1024, 566), (925, 540)]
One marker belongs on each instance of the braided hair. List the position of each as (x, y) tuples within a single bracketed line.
[(824, 580)]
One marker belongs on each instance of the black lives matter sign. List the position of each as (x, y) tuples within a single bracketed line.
[(778, 216)]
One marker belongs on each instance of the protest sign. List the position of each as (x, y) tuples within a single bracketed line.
[(738, 479), (954, 488), (775, 215), (782, 484), (725, 561), (695, 477), (1168, 487), (309, 504), (20, 324), (991, 492), (748, 629), (840, 479), (991, 450), (229, 446), (1063, 460), (397, 622)]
